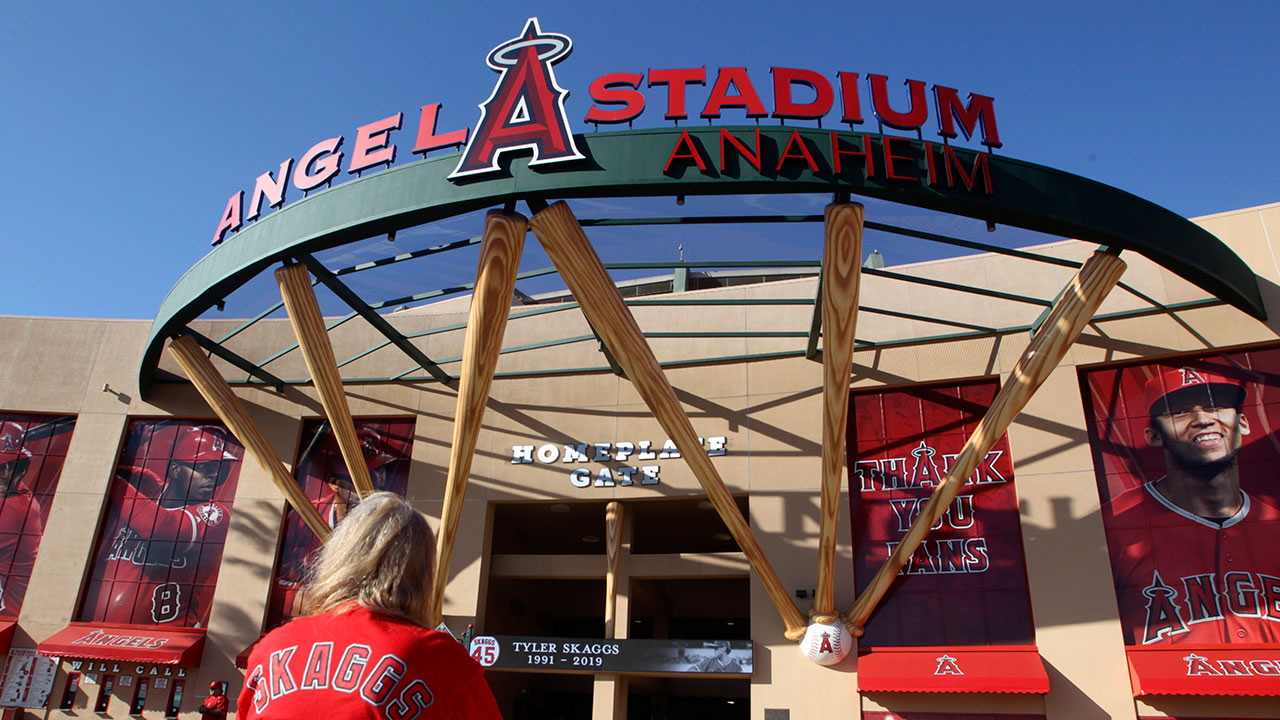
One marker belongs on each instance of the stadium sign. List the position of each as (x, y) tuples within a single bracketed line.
[(526, 112)]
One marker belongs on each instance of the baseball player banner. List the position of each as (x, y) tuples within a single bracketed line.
[(32, 451), (967, 583), (1186, 453), (322, 472), (166, 520), (716, 657)]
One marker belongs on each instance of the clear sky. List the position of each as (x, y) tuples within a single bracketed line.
[(127, 125)]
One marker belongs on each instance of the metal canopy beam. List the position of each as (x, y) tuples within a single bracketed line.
[(815, 323), (215, 391), (308, 325), (379, 323), (1023, 195), (234, 359)]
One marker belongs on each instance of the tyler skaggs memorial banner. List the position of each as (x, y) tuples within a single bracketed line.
[(967, 583), (719, 657)]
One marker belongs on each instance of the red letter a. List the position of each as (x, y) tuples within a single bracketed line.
[(526, 109)]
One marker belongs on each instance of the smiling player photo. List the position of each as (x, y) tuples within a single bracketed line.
[(1186, 469)]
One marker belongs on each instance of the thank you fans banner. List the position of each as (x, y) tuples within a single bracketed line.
[(901, 444)]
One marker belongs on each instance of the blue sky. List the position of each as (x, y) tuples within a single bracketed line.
[(127, 125)]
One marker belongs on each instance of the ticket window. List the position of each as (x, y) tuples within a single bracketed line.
[(104, 693), (175, 699), (69, 692), (139, 696)]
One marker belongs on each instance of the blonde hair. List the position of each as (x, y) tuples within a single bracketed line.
[(382, 555)]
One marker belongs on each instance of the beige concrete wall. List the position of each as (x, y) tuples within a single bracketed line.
[(768, 411)]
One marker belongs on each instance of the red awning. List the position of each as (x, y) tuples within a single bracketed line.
[(1205, 670), (130, 643), (994, 669), (6, 634)]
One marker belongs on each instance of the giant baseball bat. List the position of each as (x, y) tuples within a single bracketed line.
[(613, 551), (576, 260), (1070, 313), (313, 339), (500, 250), (841, 271), (214, 389)]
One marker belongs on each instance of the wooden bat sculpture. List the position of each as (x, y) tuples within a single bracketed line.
[(841, 266), (1070, 313), (313, 339), (228, 407), (576, 260), (500, 250)]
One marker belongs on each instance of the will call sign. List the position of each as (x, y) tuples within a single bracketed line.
[(527, 112)]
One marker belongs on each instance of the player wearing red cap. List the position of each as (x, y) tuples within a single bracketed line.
[(215, 706), (20, 519), (1196, 558), (166, 544)]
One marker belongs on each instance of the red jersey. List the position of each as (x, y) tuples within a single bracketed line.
[(215, 707), (353, 663), (1183, 579), (162, 563), (20, 530)]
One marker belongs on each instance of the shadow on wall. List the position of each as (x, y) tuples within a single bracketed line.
[(1271, 302)]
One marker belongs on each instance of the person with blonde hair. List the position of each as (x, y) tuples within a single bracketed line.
[(362, 650)]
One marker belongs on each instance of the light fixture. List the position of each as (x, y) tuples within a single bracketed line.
[(590, 538), (559, 508), (722, 537), (706, 505)]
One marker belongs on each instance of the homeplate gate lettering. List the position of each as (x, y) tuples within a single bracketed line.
[(619, 452)]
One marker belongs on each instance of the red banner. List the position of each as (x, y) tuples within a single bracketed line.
[(967, 583), (1186, 453), (32, 450), (386, 444), (158, 557)]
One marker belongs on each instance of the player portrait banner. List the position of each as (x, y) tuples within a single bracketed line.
[(321, 471), (1186, 455), (967, 582), (160, 548), (716, 657), (32, 451)]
